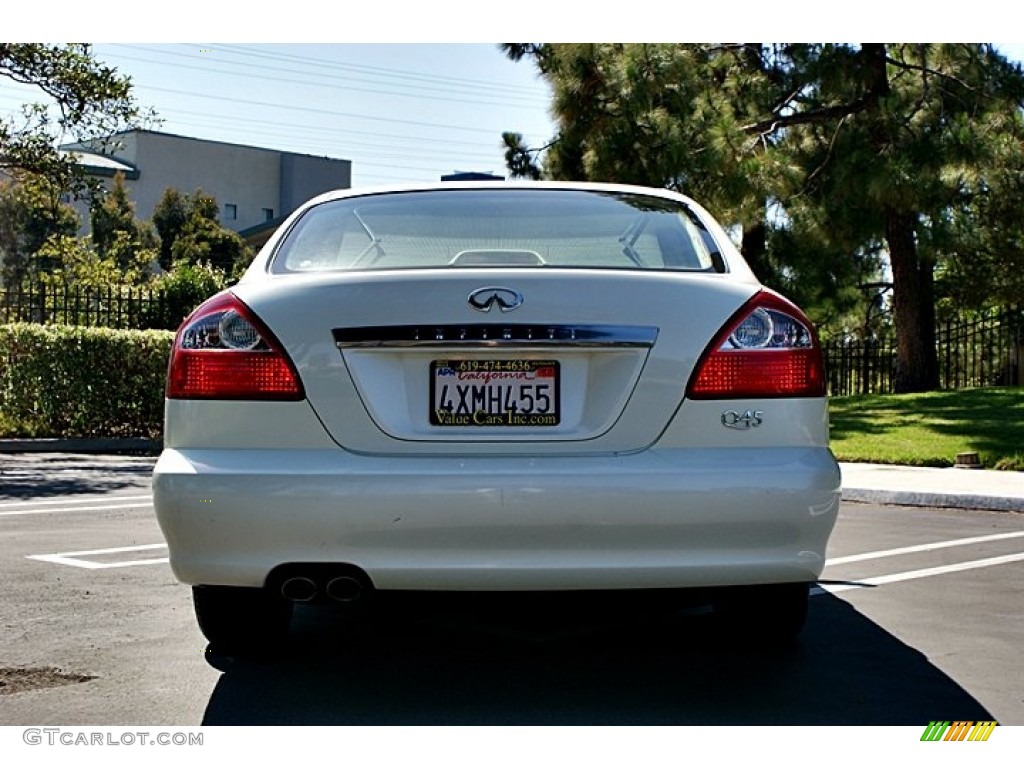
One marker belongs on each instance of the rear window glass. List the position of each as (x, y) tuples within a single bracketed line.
[(495, 228)]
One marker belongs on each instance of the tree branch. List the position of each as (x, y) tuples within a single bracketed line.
[(929, 71), (821, 115)]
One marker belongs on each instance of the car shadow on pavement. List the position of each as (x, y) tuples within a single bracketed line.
[(38, 476), (458, 668)]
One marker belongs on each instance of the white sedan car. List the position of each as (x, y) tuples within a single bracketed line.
[(495, 387)]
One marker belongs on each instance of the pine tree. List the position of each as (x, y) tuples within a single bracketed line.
[(201, 239), (117, 235), (169, 218), (834, 160)]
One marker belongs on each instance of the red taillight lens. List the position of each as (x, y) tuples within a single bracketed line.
[(223, 352), (767, 349)]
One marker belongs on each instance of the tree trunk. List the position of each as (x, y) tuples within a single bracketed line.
[(754, 246), (755, 249), (913, 294), (913, 279)]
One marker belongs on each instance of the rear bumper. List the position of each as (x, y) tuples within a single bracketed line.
[(659, 518)]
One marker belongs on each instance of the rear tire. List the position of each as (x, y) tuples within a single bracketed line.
[(773, 613), (240, 620)]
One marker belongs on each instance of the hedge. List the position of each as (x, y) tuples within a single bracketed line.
[(73, 381)]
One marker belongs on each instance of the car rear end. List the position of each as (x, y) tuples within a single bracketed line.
[(496, 388)]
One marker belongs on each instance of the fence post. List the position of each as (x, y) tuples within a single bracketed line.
[(42, 303)]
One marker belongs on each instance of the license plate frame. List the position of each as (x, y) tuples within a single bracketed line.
[(508, 393)]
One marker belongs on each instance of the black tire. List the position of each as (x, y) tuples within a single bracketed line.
[(773, 613), (240, 620)]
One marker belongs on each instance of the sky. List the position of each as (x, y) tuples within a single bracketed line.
[(409, 104), (399, 112)]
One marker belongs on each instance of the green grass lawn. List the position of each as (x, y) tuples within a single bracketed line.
[(929, 429)]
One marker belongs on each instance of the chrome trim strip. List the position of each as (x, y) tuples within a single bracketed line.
[(495, 335)]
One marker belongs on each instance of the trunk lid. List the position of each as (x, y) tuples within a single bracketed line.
[(439, 360)]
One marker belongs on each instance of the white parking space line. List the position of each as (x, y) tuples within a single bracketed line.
[(921, 573), (923, 548), (75, 558), (62, 510)]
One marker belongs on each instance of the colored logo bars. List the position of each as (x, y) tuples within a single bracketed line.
[(960, 730)]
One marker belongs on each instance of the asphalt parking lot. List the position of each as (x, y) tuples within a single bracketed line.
[(918, 619)]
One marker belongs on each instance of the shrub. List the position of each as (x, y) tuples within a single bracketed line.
[(71, 381), (179, 291)]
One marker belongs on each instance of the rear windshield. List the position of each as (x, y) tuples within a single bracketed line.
[(496, 228)]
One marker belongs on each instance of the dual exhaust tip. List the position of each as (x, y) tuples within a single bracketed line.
[(340, 589)]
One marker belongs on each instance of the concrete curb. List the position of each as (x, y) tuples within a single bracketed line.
[(908, 498), (81, 445), (933, 487)]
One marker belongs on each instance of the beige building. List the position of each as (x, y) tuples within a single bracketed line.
[(252, 185)]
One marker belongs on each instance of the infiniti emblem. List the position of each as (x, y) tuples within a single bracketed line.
[(483, 299)]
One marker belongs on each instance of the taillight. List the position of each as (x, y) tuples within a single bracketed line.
[(767, 349), (223, 352)]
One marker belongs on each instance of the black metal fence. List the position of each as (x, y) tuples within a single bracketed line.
[(860, 367), (985, 350), (125, 307)]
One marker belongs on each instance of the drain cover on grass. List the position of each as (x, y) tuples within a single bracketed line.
[(16, 680)]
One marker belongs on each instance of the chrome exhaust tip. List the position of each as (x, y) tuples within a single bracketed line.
[(344, 589), (299, 589)]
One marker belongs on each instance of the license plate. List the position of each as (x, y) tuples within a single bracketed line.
[(494, 393)]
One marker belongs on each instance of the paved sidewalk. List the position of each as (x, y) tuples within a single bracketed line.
[(930, 487)]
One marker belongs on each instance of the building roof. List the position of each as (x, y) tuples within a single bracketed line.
[(101, 165), (164, 134), (257, 236)]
